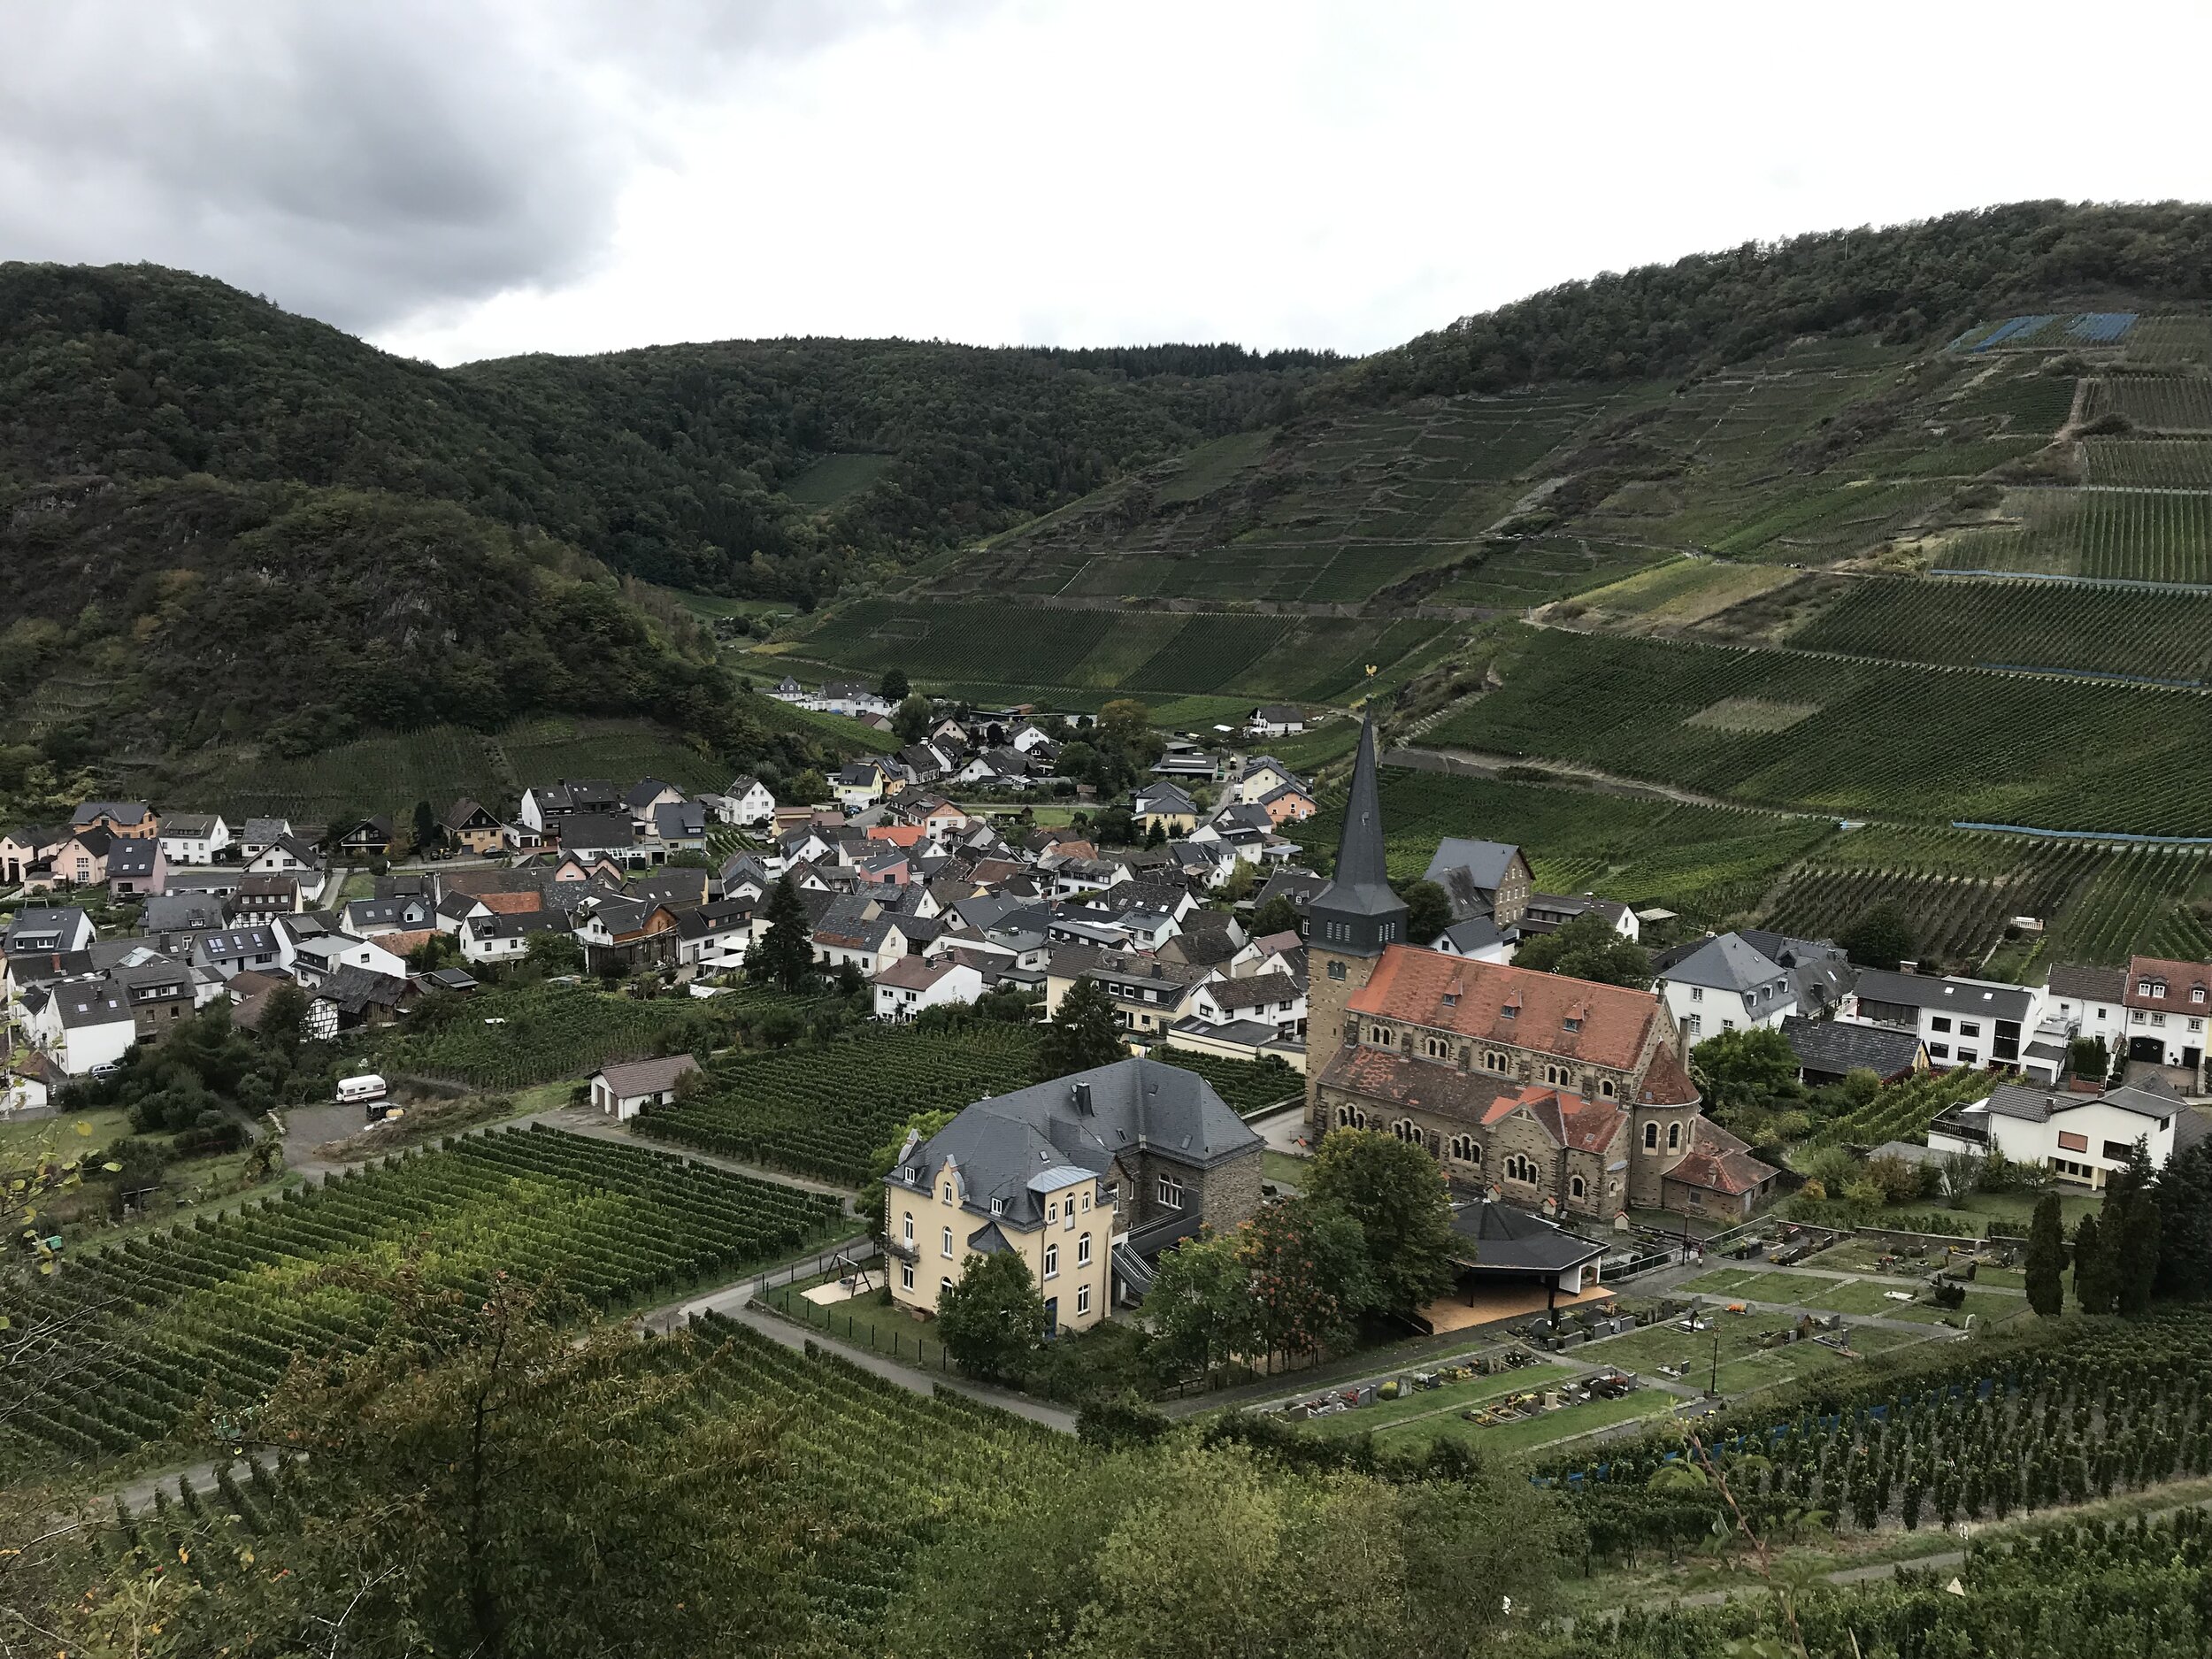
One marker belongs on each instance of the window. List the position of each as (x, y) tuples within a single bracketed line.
[(2116, 1151), (1651, 1137), (1052, 1260), (1695, 1022), (1451, 998), (1087, 1203), (1939, 1021), (1697, 993), (910, 1226), (1575, 1187), (1083, 1251), (1939, 1051), (1465, 1149), (1436, 1048), (1571, 1023), (1493, 1061), (2196, 994), (1728, 1025), (1408, 1130), (2196, 1025), (946, 1247), (1171, 1193), (1674, 1137), (1052, 1213), (2071, 1143), (906, 1275), (1970, 1057), (998, 1206), (2158, 1019), (1082, 1300), (1605, 1088), (1520, 1168), (1382, 1035), (1350, 1117), (1511, 1010), (1336, 970), (948, 1192), (1113, 1196)]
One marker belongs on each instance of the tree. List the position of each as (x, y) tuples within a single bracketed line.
[(2130, 1225), (881, 1161), (1307, 1275), (1200, 1306), (283, 1023), (913, 719), (991, 1318), (1587, 948), (1083, 1034), (893, 687), (810, 788), (1428, 910), (2046, 1258), (1279, 915), (2095, 1280), (2184, 1207), (1744, 1068), (785, 956), (1883, 936), (1395, 1192), (1114, 826), (552, 953), (429, 833)]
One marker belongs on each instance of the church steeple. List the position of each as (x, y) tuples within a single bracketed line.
[(1356, 914)]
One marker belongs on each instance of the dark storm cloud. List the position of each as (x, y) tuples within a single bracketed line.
[(362, 162)]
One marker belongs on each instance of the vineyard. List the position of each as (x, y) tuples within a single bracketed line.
[(1944, 744), (1977, 1432), (1903, 1110), (821, 1109), (2151, 462), (2154, 403), (1244, 1085), (214, 1312), (2113, 631), (2144, 536), (508, 1038), (887, 1466)]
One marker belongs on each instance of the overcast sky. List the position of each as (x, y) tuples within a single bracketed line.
[(459, 181)]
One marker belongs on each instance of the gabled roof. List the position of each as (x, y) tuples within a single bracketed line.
[(2040, 1105), (1609, 1023), (1258, 990), (2175, 987), (1718, 1162), (1485, 863), (189, 826), (595, 832), (124, 812), (1831, 1045), (2083, 984), (1727, 964), (648, 1077), (1945, 996), (466, 814)]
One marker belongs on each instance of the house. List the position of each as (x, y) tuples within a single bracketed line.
[(317, 956), (1477, 939), (366, 838), (194, 838), (80, 862), (504, 936), (1964, 1022), (1272, 999), (28, 1082), (82, 1025), (263, 895), (2167, 1003), (751, 802), (714, 937), (350, 997), (258, 834), (589, 837), (158, 993), (1499, 1247), (1724, 985), (45, 930), (2080, 1137), (177, 918), (788, 690), (1550, 1093), (365, 919), (859, 784), (1548, 913), (1828, 1050), (128, 820), (1148, 994), (854, 698), (643, 798), (637, 933), (1258, 778), (25, 846), (1276, 720), (1292, 803), (288, 855), (265, 948), (621, 1092), (910, 984), (471, 825), (680, 827), (1086, 1178), (1182, 758), (1481, 879), (2090, 1002), (1292, 882), (1165, 807)]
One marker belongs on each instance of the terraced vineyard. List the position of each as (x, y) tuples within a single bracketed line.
[(2108, 535), (821, 1110), (1903, 1110), (510, 1039), (217, 1310), (1244, 1085), (2110, 631), (2150, 463), (1863, 738), (2154, 403)]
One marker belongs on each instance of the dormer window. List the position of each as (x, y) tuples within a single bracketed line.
[(1451, 998), (1511, 1010), (1570, 1024), (998, 1206)]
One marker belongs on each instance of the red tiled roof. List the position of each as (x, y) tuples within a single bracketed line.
[(1579, 1124), (2179, 979), (1665, 1082), (512, 903), (897, 834), (1380, 1075), (1412, 983), (400, 944), (1719, 1163)]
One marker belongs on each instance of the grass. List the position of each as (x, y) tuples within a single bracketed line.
[(1424, 1403), (835, 477), (1505, 1439), (869, 1321), (23, 1137), (1282, 1167), (1737, 1281)]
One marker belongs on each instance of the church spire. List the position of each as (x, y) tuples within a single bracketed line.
[(1357, 914)]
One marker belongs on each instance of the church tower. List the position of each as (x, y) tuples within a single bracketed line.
[(1348, 925)]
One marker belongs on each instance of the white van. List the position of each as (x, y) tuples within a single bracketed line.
[(355, 1091)]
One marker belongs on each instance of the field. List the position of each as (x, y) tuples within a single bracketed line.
[(1244, 1085), (1677, 594), (2105, 534), (1535, 570), (822, 1109), (832, 478), (1035, 652), (389, 774), (1984, 748), (2150, 463), (2153, 404), (218, 1308), (2118, 631)]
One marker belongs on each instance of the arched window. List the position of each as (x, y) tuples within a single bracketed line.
[(1493, 1061), (1651, 1137), (1466, 1150), (1407, 1130), (1674, 1137), (1520, 1168), (1350, 1117), (1436, 1048), (1605, 1088), (1575, 1187)]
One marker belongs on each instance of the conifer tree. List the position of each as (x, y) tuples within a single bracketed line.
[(786, 956), (2094, 1286), (2046, 1258)]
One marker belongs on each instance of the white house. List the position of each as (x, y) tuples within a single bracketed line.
[(858, 785), (1964, 1022), (317, 956), (1477, 939), (714, 937), (2080, 1138), (1726, 985), (2168, 1002), (496, 936), (621, 1092), (910, 984), (1276, 720), (751, 802), (1274, 999), (194, 838), (83, 1024), (47, 930), (852, 697)]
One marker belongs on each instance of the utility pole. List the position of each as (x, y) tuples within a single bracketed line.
[(1712, 1380)]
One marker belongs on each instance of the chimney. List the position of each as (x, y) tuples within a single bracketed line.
[(1083, 1100), (1908, 967)]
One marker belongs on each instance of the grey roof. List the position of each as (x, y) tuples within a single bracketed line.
[(701, 920), (1725, 963), (1297, 884), (89, 1003), (681, 821), (1508, 1241), (643, 791), (189, 826), (1477, 932), (1163, 797), (597, 832), (121, 811), (45, 923), (517, 923), (2082, 984), (261, 831), (1256, 991), (1485, 863), (181, 912), (1838, 1045), (1963, 996), (1280, 713), (355, 989), (2040, 1105), (1002, 1144), (132, 857), (648, 1077)]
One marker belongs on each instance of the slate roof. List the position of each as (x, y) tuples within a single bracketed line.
[(1163, 797), (1726, 963), (597, 832), (1947, 996), (1471, 869), (1015, 1148), (1841, 1046), (2040, 1105), (1477, 932), (1717, 1161), (261, 831), (2082, 984), (702, 919), (125, 812), (648, 1077), (356, 990), (190, 827), (85, 1002)]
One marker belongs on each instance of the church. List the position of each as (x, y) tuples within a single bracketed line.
[(1557, 1095)]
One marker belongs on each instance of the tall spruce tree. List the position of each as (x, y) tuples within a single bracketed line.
[(1081, 1035), (786, 956), (2046, 1258), (2094, 1286), (2184, 1208), (2128, 1224)]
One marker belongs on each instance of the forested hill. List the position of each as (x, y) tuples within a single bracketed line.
[(1908, 284), (697, 465)]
